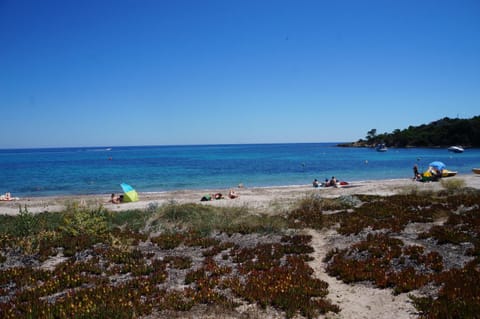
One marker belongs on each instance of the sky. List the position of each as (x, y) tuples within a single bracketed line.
[(79, 73)]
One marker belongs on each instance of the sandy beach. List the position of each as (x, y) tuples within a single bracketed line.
[(356, 301), (262, 199)]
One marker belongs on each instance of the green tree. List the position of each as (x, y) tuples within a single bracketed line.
[(371, 134), (441, 133)]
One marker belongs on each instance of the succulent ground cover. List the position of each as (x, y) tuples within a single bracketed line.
[(382, 257), (99, 271), (171, 260)]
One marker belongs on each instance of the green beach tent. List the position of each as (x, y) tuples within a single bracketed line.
[(130, 194)]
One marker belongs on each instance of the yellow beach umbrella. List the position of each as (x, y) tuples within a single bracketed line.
[(130, 194)]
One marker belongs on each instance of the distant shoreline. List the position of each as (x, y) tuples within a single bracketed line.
[(361, 145)]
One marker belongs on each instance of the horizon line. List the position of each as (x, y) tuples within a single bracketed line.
[(159, 145)]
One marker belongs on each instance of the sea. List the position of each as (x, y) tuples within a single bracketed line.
[(100, 170)]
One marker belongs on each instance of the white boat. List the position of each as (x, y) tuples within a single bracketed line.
[(381, 148), (456, 149)]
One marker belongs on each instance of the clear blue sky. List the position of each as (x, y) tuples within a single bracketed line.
[(108, 73)]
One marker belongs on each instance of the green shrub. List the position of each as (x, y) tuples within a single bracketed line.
[(84, 222), (26, 222)]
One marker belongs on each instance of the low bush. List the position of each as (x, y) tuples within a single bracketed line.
[(452, 184)]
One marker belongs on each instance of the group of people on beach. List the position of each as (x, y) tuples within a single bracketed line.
[(332, 182), (114, 199), (208, 197), (434, 174)]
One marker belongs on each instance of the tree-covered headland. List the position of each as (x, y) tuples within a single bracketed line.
[(441, 133)]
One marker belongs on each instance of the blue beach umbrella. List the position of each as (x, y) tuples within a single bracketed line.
[(438, 165), (130, 194)]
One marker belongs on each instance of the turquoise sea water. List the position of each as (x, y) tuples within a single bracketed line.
[(100, 170)]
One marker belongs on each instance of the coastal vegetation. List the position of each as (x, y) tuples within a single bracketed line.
[(440, 133), (178, 259)]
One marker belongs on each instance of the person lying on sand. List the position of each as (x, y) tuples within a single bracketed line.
[(7, 197), (208, 197)]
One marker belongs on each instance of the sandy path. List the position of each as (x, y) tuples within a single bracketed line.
[(357, 301)]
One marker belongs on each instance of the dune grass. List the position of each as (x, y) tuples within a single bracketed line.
[(453, 184)]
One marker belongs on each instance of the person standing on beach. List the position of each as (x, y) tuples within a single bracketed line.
[(416, 173)]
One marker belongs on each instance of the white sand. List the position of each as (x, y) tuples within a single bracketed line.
[(264, 199)]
